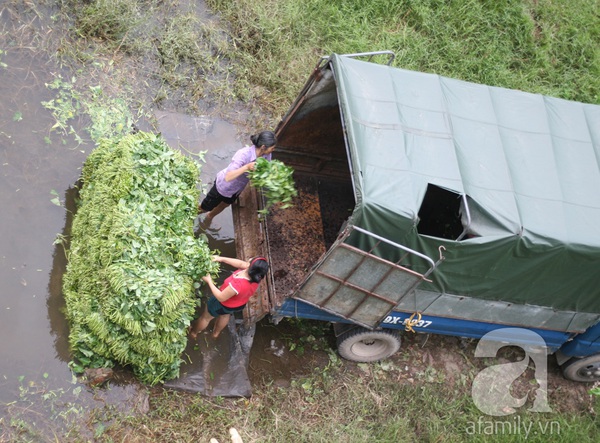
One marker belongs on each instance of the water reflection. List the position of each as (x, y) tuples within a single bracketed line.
[(55, 301), (34, 163)]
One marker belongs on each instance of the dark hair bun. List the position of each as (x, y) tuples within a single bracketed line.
[(265, 138)]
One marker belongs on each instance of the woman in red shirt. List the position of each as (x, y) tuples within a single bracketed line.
[(233, 294)]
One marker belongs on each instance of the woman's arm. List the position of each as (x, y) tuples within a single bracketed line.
[(232, 175), (219, 295), (235, 262)]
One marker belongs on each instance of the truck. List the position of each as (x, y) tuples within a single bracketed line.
[(433, 205)]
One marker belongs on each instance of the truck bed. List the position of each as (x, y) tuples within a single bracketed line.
[(299, 235), (292, 239), (328, 135)]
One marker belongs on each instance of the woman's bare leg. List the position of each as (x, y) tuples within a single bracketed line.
[(200, 324), (222, 321)]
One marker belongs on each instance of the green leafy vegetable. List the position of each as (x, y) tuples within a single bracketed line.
[(55, 199), (133, 260), (276, 182), (65, 106)]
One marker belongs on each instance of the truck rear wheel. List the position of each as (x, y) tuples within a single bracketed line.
[(362, 345), (586, 369)]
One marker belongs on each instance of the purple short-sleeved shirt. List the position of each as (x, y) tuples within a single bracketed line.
[(242, 157)]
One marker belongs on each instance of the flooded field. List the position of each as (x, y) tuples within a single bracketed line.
[(34, 171), (40, 165)]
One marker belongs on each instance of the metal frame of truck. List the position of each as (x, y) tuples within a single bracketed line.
[(384, 271)]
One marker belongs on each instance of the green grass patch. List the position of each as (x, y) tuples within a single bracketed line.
[(334, 404), (115, 22), (159, 53), (548, 47)]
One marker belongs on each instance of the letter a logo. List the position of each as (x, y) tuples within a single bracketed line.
[(491, 387)]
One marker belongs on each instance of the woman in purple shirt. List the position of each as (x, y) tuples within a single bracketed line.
[(232, 180)]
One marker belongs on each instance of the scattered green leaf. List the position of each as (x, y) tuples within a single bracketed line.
[(55, 199)]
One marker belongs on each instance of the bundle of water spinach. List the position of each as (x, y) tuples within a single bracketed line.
[(276, 181), (133, 261)]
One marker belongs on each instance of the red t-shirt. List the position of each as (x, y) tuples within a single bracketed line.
[(244, 289)]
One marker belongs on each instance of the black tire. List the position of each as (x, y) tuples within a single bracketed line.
[(586, 369), (362, 345)]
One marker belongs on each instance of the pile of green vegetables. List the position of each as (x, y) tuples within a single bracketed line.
[(133, 262), (275, 180)]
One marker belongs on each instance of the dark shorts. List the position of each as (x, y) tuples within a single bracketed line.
[(215, 308), (213, 198)]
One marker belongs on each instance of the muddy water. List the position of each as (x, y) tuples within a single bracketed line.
[(38, 170), (36, 167), (32, 169)]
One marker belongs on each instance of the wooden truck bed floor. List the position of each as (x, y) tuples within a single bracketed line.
[(292, 239)]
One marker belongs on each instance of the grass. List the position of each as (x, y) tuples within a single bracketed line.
[(149, 54), (336, 403), (545, 46), (270, 47), (110, 21), (401, 399)]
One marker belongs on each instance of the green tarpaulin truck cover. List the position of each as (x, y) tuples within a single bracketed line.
[(528, 165)]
